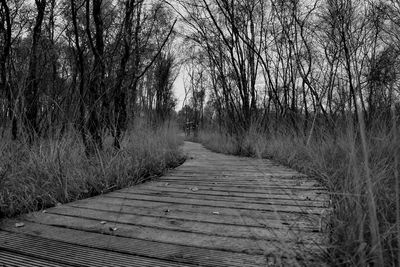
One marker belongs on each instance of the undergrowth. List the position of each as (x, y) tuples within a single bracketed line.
[(58, 171)]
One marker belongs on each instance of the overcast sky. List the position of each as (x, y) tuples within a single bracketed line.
[(179, 89)]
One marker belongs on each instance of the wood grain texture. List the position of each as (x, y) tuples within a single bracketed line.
[(214, 210)]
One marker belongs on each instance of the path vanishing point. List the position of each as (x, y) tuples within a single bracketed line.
[(214, 210)]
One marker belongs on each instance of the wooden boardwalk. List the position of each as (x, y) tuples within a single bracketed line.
[(214, 210)]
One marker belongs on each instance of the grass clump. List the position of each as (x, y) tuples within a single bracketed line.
[(336, 159), (58, 171)]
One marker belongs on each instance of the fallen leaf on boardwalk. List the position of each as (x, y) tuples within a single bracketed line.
[(103, 222), (166, 184), (112, 229), (216, 212), (19, 224), (167, 210), (194, 189)]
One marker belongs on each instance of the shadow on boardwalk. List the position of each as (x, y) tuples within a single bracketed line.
[(214, 210)]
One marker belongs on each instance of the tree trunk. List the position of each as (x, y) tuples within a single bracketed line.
[(32, 82), (81, 69), (5, 87), (120, 94), (96, 83)]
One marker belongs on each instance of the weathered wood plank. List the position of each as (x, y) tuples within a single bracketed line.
[(17, 259), (133, 246), (67, 254), (268, 233), (224, 194), (197, 194), (234, 189), (239, 175), (165, 209), (268, 206), (243, 185), (247, 219), (248, 245), (245, 181), (233, 174)]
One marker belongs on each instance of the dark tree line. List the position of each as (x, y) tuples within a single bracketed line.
[(84, 64)]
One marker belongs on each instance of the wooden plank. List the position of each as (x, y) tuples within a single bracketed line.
[(206, 206), (238, 175), (17, 259), (235, 180), (232, 164), (207, 228), (133, 246), (248, 219), (167, 209), (230, 244), (229, 165), (267, 206), (225, 194), (242, 185), (190, 194), (233, 173), (68, 254), (246, 186), (229, 170), (235, 189)]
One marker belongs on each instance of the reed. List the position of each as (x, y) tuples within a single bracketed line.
[(58, 171)]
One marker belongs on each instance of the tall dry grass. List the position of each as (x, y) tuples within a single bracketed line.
[(58, 171), (342, 164)]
